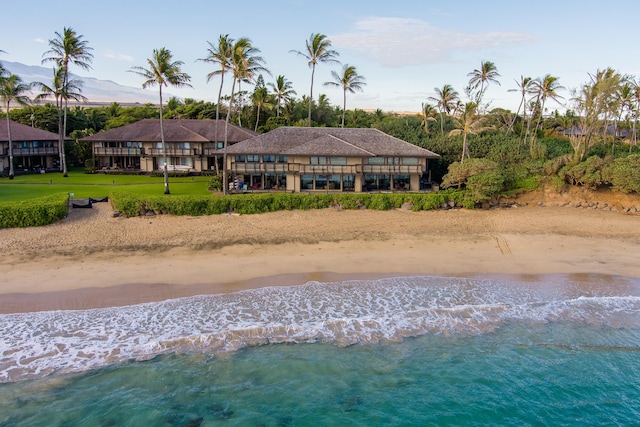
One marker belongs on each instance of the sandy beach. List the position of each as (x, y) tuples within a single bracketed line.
[(92, 259)]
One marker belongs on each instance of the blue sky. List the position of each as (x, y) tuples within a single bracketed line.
[(403, 48)]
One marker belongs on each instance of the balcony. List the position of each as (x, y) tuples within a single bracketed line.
[(37, 151), (261, 167), (171, 151), (113, 151), (329, 169), (393, 169)]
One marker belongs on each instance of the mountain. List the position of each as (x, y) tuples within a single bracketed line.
[(96, 91)]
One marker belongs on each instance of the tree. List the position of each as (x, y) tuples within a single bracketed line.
[(12, 89), (318, 49), (428, 113), (60, 91), (219, 54), (66, 48), (245, 65), (350, 81), (487, 73), (445, 101), (524, 87), (545, 88), (469, 123), (260, 99), (282, 91), (162, 71)]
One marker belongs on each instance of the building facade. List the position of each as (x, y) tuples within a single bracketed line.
[(192, 145), (300, 159), (34, 150)]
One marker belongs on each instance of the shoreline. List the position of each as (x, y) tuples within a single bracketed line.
[(91, 259)]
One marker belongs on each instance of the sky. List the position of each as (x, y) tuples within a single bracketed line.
[(404, 49)]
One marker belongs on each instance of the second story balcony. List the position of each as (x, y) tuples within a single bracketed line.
[(33, 151), (173, 151), (116, 151)]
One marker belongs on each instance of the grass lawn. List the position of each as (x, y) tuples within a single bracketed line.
[(82, 185)]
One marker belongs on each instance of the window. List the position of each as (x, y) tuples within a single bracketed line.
[(334, 182), (338, 160), (393, 160), (240, 159), (410, 161), (282, 159), (268, 158), (321, 182), (220, 145), (376, 160), (306, 182), (318, 160), (253, 158)]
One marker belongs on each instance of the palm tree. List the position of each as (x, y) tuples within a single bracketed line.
[(261, 99), (162, 71), (524, 87), (60, 91), (282, 91), (428, 113), (545, 88), (350, 81), (318, 49), (12, 88), (245, 65), (219, 54), (468, 123), (488, 73), (445, 101), (66, 48)]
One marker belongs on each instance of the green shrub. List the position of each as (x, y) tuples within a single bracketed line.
[(587, 173), (34, 212), (484, 185), (624, 174)]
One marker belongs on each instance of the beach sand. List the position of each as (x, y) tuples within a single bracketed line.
[(92, 259)]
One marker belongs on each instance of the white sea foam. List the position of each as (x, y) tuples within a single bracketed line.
[(37, 344)]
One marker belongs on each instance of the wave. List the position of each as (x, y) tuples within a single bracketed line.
[(345, 313)]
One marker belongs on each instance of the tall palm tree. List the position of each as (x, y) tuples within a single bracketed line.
[(219, 54), (545, 88), (245, 65), (487, 73), (60, 91), (445, 101), (350, 81), (524, 87), (12, 89), (282, 91), (261, 99), (318, 49), (68, 48), (163, 71), (468, 123)]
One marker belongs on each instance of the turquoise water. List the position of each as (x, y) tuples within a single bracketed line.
[(404, 351)]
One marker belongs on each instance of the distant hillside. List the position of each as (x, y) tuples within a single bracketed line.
[(96, 91)]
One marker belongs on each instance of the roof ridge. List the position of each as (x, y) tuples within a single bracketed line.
[(350, 144)]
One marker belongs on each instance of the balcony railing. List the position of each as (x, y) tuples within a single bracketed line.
[(330, 169), (37, 151), (393, 169), (173, 151), (113, 151), (261, 167)]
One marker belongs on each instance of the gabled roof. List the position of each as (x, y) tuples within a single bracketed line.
[(348, 142), (20, 132), (191, 130)]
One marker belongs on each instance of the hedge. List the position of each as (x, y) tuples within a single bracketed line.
[(34, 212), (133, 205)]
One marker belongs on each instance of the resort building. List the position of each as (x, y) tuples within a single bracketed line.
[(34, 150), (192, 145), (300, 159)]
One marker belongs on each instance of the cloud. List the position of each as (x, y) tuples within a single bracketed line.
[(398, 42), (112, 55), (39, 40)]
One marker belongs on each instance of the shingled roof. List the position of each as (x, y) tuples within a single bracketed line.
[(148, 130), (305, 141), (20, 132)]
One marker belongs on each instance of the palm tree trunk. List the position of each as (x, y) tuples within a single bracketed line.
[(344, 106), (225, 175), (11, 172), (218, 117), (257, 119), (164, 149), (64, 133), (441, 123), (313, 71)]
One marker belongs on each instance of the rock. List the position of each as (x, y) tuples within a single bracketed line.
[(541, 204), (407, 206), (150, 213), (116, 214)]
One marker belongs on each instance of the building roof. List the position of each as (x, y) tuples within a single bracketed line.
[(20, 132), (191, 130), (306, 141)]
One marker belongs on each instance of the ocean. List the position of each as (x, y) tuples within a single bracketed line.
[(551, 350)]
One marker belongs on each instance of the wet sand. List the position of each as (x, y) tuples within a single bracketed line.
[(91, 259)]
